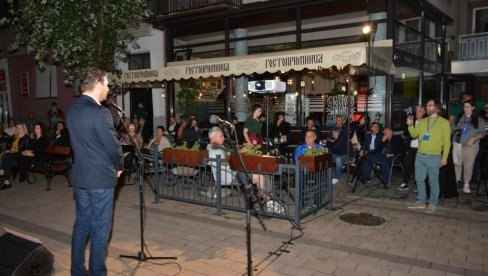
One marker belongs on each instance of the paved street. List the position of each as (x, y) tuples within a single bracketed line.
[(453, 241)]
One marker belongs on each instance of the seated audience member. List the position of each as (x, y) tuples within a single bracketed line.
[(10, 130), (179, 133), (310, 138), (192, 133), (19, 143), (60, 136), (339, 146), (159, 141), (238, 129), (310, 125), (340, 124), (4, 138), (216, 147), (31, 121), (389, 146), (145, 130), (279, 131), (371, 143), (132, 137), (172, 128), (33, 155)]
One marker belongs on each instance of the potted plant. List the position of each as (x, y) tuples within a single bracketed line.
[(254, 160), (187, 98), (185, 156), (316, 159)]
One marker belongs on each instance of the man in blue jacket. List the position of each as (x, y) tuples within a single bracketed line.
[(340, 153), (98, 161)]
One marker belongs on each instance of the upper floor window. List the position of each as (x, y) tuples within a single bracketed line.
[(139, 61), (480, 20)]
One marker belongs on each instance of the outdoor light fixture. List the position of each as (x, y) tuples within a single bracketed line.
[(289, 82), (302, 84), (366, 29)]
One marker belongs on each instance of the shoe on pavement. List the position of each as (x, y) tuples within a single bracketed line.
[(430, 209), (335, 181), (274, 207), (417, 205), (466, 189), (403, 187)]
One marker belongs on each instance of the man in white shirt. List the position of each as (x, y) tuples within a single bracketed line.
[(412, 151)]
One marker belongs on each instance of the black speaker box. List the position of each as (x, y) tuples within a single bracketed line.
[(21, 257)]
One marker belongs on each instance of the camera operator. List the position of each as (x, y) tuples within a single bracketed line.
[(412, 150)]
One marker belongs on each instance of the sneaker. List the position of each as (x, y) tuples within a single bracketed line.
[(335, 181), (403, 187), (430, 209), (417, 205), (466, 189), (274, 207)]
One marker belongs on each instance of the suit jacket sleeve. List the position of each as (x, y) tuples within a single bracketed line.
[(106, 131)]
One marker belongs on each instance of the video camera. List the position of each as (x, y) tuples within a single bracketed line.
[(410, 111)]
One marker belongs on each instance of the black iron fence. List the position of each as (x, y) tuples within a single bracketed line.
[(291, 192), (168, 7)]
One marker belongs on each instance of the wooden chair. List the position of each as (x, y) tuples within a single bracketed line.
[(58, 162)]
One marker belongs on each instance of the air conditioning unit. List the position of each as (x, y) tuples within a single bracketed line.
[(266, 86)]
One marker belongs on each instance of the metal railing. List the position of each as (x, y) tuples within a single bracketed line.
[(169, 7), (473, 46), (292, 192)]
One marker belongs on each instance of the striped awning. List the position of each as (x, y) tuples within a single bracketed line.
[(311, 58)]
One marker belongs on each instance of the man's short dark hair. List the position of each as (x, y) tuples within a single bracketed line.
[(90, 77), (374, 123)]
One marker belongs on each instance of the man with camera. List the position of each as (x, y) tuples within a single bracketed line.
[(434, 134)]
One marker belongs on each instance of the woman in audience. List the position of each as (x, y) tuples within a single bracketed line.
[(252, 127), (279, 131), (19, 143), (470, 129), (133, 137), (60, 136), (160, 141), (179, 134), (33, 155), (10, 130)]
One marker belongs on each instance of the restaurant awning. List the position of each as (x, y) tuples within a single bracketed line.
[(311, 58)]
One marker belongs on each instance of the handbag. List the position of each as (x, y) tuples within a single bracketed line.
[(457, 153)]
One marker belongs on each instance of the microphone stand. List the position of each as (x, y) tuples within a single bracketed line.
[(251, 197), (141, 255)]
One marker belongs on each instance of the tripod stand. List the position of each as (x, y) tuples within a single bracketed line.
[(141, 255), (359, 173)]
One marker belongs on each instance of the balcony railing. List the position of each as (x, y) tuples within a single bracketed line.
[(473, 46), (431, 53), (172, 7)]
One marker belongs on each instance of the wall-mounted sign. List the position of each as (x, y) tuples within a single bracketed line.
[(338, 105), (24, 84)]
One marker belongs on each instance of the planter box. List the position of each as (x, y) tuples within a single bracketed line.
[(263, 163), (316, 163), (184, 157)]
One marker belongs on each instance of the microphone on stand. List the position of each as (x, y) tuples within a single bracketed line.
[(214, 119), (118, 108)]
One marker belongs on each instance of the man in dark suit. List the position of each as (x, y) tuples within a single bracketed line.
[(98, 161), (370, 146), (390, 146)]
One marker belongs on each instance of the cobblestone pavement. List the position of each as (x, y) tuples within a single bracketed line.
[(452, 241)]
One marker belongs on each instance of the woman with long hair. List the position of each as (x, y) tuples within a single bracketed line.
[(33, 155), (469, 129), (160, 141), (19, 143), (252, 127)]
